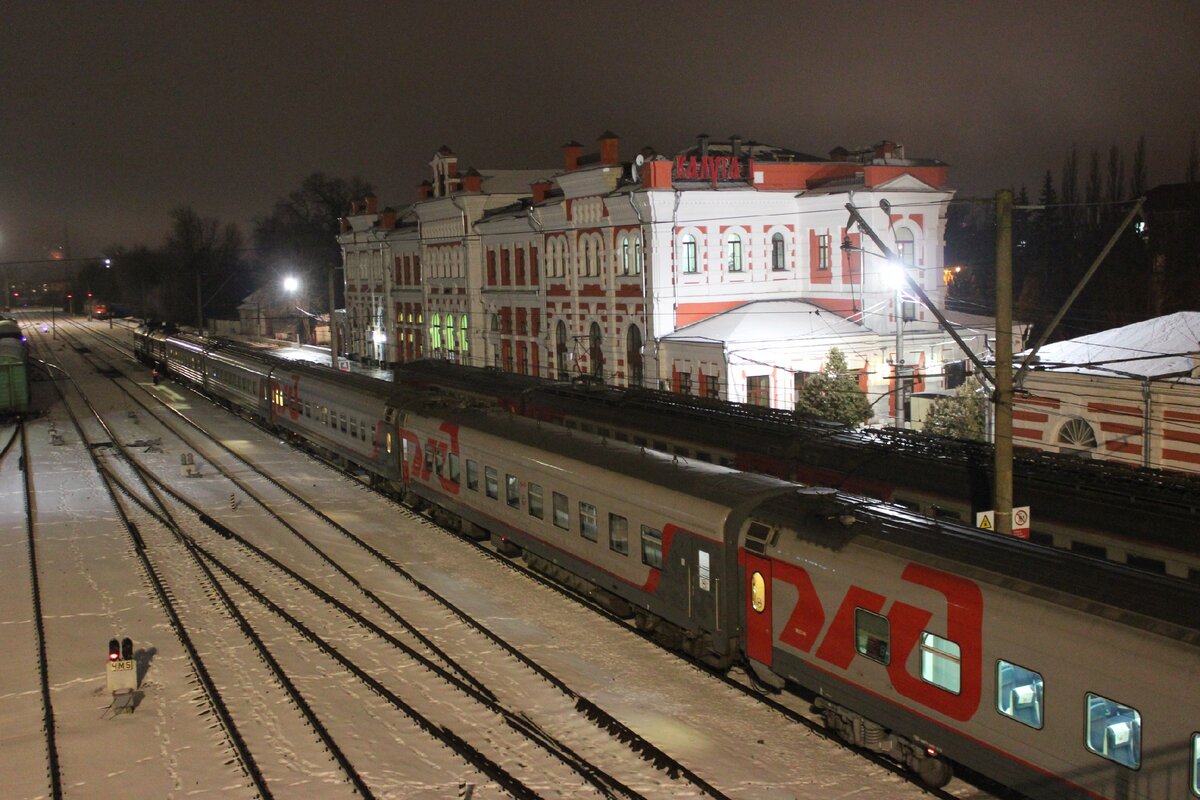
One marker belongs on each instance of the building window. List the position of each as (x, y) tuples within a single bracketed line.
[(685, 383), (535, 500), (618, 534), (710, 386), (1076, 435), (941, 662), (562, 516), (906, 247), (872, 635), (624, 255), (823, 251), (637, 255), (687, 252), (491, 483), (633, 355), (778, 253), (587, 522), (733, 246), (1019, 693), (651, 547), (562, 354), (758, 390), (462, 335), (1114, 731)]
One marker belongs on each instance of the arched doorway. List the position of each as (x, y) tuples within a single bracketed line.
[(562, 353), (633, 355), (596, 352)]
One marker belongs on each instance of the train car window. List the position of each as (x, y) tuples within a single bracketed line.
[(872, 635), (640, 441), (726, 462), (1196, 764), (618, 534), (587, 427), (1114, 731), (455, 472), (307, 409), (354, 428), (703, 456), (1019, 693), (622, 436), (491, 483), (601, 431), (439, 460), (512, 491), (661, 446), (587, 522), (342, 420), (941, 662), (1044, 539), (652, 547), (429, 457), (1091, 550), (562, 516), (1154, 565), (758, 592), (388, 442), (472, 475), (570, 424), (946, 513), (535, 501)]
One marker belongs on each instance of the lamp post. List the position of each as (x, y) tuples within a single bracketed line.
[(291, 285)]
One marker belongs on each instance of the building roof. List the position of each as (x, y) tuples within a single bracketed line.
[(1163, 347), (768, 321), (512, 181)]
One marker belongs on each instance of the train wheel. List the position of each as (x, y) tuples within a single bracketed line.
[(933, 771)]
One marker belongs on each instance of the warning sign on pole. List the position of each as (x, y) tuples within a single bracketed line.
[(985, 520)]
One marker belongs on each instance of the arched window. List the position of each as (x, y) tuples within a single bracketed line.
[(1076, 435), (435, 332), (596, 351), (449, 337), (624, 255), (633, 355), (906, 247), (637, 255), (562, 353), (590, 263), (733, 250), (778, 253), (462, 334), (687, 253)]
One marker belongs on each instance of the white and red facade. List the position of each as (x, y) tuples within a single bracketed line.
[(601, 266)]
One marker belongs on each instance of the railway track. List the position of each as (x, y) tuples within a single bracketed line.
[(455, 673)]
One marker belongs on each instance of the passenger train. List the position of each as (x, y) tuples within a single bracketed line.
[(932, 643)]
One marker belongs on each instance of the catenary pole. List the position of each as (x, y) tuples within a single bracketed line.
[(333, 334), (1003, 397)]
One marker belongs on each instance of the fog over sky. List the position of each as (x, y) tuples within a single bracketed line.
[(113, 113)]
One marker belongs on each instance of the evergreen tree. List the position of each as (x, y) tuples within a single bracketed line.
[(833, 394), (959, 415)]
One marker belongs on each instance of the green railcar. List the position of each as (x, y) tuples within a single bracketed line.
[(14, 377)]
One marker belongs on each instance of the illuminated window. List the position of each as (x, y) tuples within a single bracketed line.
[(587, 522), (1114, 731), (512, 491), (624, 255), (941, 662), (618, 534), (637, 255), (652, 547), (1019, 693), (758, 592), (872, 635), (687, 253), (778, 253), (906, 247)]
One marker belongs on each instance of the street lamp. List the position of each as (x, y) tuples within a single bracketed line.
[(291, 285)]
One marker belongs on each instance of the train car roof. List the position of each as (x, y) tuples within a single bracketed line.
[(1169, 606), (686, 476)]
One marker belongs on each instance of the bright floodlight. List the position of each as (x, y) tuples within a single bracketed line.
[(291, 283), (893, 274)]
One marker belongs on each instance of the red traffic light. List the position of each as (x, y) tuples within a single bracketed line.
[(69, 295), (114, 650)]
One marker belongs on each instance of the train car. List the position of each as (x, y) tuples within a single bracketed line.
[(1059, 676), (10, 329), (926, 641), (14, 377), (239, 380), (344, 416)]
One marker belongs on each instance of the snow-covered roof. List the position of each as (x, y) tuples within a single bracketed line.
[(1162, 347), (512, 181), (767, 321)]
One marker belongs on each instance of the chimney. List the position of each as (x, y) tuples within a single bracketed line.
[(355, 208), (372, 203), (885, 149), (387, 219), (735, 144), (344, 224), (608, 147), (656, 174), (472, 180), (540, 189), (424, 190), (572, 150), (702, 144)]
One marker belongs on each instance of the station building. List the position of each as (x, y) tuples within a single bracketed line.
[(727, 269)]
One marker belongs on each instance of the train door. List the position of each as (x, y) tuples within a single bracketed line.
[(701, 558), (760, 640)]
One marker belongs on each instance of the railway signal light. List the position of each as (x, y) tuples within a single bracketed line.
[(127, 649), (114, 650)]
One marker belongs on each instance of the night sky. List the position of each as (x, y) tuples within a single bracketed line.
[(114, 113)]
